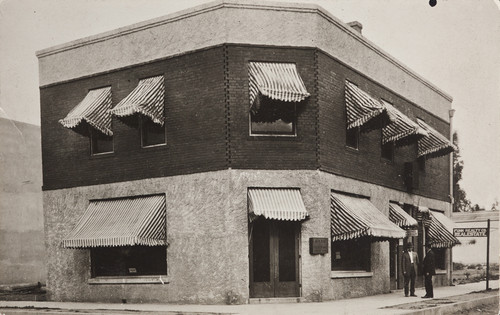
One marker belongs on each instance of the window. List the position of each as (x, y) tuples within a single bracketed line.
[(352, 254), (273, 117), (128, 261), (151, 133), (99, 142), (440, 258), (388, 151), (421, 164), (352, 138)]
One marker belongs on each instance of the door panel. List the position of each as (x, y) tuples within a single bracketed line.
[(274, 258)]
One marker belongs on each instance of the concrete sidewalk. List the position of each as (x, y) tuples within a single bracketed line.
[(377, 304)]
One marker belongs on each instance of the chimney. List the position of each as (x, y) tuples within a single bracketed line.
[(356, 25)]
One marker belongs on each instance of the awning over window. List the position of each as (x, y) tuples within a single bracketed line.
[(403, 131), (278, 81), (146, 99), (120, 222), (94, 110), (399, 217), (434, 144), (353, 217), (440, 231), (363, 109), (276, 204)]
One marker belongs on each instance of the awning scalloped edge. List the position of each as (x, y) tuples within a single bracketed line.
[(73, 122), (112, 242), (130, 110)]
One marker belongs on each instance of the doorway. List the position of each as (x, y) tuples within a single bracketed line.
[(274, 258)]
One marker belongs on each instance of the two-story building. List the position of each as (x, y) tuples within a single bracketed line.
[(235, 151)]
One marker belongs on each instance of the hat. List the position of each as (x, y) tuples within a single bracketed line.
[(409, 244), (428, 245)]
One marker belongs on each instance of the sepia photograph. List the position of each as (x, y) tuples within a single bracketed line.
[(249, 157)]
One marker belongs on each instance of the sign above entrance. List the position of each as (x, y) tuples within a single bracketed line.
[(470, 232), (412, 232), (318, 245)]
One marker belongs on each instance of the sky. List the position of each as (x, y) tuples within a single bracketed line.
[(455, 45)]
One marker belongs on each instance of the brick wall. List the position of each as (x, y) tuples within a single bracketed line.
[(207, 121), (270, 152), (194, 111), (366, 163)]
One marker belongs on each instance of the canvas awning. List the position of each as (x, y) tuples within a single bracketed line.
[(440, 231), (403, 131), (120, 222), (278, 81), (399, 217), (353, 217), (276, 204), (146, 99), (364, 110), (434, 144), (94, 110)]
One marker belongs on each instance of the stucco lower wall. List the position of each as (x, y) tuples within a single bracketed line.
[(207, 231)]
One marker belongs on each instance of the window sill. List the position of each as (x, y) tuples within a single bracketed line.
[(352, 149), (350, 274), (154, 146), (102, 155), (160, 279), (441, 272)]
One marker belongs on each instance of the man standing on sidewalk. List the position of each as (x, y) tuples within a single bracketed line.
[(429, 271), (409, 265)]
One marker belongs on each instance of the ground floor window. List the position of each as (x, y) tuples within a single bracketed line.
[(128, 261), (352, 254), (440, 258)]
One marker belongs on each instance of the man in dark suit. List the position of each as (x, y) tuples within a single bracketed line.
[(429, 271), (409, 266)]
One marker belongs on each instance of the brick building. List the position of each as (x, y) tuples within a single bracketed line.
[(197, 158)]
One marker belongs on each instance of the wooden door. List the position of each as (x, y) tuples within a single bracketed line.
[(274, 258)]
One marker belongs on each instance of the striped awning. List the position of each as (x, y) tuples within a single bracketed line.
[(278, 81), (276, 204), (440, 231), (362, 109), (399, 217), (120, 222), (94, 110), (403, 131), (146, 99), (434, 144), (353, 217)]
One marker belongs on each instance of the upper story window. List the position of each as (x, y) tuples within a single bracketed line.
[(275, 90), (146, 100), (352, 138), (273, 118), (94, 111), (99, 142), (387, 151), (151, 134)]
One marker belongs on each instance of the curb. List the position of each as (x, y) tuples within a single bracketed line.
[(454, 307)]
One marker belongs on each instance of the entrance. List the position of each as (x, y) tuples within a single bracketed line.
[(274, 256), (396, 274)]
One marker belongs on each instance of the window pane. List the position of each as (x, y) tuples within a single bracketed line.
[(100, 143), (261, 254), (352, 254), (352, 138), (152, 134), (129, 261), (273, 117), (388, 151), (287, 252)]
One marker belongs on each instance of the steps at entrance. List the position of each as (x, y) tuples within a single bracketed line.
[(276, 300)]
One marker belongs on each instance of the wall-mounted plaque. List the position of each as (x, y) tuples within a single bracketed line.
[(318, 245)]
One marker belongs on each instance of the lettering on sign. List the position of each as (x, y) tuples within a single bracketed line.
[(318, 245), (470, 232)]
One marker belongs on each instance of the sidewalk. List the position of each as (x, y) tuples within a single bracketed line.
[(377, 304)]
